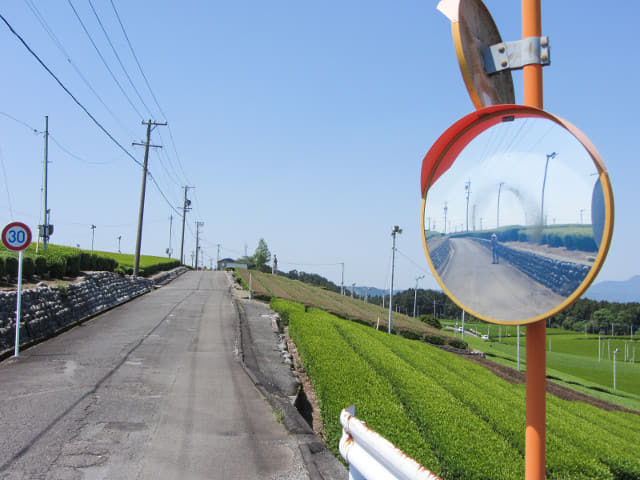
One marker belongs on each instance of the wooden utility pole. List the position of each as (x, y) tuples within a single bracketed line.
[(136, 258), (198, 225), (44, 230), (185, 209)]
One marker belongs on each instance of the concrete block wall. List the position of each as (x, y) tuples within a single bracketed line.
[(48, 309), (560, 276)]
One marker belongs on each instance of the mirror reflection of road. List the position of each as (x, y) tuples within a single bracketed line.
[(498, 291)]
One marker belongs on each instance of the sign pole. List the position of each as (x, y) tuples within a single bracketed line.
[(535, 434), (16, 351)]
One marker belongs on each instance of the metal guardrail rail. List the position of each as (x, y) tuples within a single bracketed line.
[(371, 457)]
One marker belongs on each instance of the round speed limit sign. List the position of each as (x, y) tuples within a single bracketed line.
[(16, 236)]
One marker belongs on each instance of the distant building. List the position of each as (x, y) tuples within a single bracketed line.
[(230, 263)]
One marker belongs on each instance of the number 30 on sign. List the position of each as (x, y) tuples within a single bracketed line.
[(16, 236)]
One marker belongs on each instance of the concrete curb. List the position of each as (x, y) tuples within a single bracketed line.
[(318, 459)]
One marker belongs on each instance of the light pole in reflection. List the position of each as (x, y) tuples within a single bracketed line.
[(445, 217), (544, 181), (396, 229), (498, 209), (467, 188)]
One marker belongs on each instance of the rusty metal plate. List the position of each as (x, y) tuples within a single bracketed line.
[(474, 30)]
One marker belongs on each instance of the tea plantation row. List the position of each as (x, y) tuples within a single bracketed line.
[(454, 417), (59, 261)]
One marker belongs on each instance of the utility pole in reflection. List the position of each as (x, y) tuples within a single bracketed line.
[(136, 258), (498, 209), (544, 182), (445, 217)]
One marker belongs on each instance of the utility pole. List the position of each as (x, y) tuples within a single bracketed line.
[(467, 188), (185, 209), (396, 229), (136, 257), (218, 256), (445, 217), (342, 281), (170, 228), (93, 232), (119, 238), (415, 296), (544, 182), (45, 230), (198, 225)]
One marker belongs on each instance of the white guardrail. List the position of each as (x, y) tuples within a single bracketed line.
[(371, 457)]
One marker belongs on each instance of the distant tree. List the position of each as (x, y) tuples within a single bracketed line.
[(248, 261), (262, 256)]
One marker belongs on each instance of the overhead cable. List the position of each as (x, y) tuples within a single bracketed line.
[(103, 59), (104, 130)]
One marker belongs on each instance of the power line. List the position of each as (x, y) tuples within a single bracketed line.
[(6, 184), (153, 95), (35, 131), (104, 130), (67, 57), (115, 52), (103, 59)]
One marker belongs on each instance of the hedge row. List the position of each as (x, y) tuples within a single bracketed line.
[(470, 422), (341, 378), (58, 262)]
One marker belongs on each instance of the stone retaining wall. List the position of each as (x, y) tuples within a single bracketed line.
[(439, 251), (48, 309), (560, 276)]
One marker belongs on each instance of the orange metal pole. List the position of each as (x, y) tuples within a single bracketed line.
[(535, 434)]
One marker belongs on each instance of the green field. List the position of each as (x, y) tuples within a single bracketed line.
[(454, 417), (572, 359)]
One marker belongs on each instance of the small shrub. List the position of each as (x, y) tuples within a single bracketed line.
[(63, 290), (434, 339), (430, 320), (409, 334), (457, 343), (120, 270)]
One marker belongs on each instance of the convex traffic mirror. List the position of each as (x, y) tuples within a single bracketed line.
[(517, 213)]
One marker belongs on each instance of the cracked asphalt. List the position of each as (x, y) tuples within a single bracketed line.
[(152, 389)]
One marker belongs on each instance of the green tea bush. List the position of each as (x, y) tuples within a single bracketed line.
[(11, 266), (28, 267), (41, 265), (472, 421), (57, 266)]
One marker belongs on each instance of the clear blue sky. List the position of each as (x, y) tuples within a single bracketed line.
[(304, 123)]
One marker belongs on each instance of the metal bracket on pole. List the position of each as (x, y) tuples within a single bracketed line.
[(515, 55)]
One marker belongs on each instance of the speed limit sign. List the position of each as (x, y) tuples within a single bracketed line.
[(16, 236)]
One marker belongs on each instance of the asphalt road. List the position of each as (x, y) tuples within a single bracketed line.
[(149, 390), (498, 291)]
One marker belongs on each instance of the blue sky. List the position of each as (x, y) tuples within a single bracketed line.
[(304, 123)]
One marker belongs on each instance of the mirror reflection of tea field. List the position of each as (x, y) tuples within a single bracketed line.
[(572, 359)]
